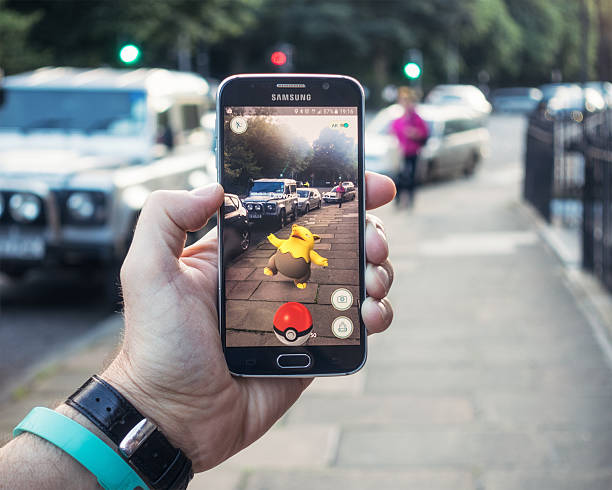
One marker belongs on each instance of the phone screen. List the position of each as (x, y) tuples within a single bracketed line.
[(291, 226)]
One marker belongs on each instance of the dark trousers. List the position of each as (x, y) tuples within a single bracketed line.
[(406, 179)]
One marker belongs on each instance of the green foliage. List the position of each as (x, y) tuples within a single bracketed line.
[(90, 33), (514, 41), (334, 157), (15, 53), (266, 149)]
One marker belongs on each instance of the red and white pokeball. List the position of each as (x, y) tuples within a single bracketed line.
[(292, 323)]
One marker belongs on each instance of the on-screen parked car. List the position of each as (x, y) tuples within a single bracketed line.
[(308, 199), (275, 199), (80, 151), (521, 100), (349, 193), (237, 231)]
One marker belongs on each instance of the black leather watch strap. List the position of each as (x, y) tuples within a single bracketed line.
[(161, 465)]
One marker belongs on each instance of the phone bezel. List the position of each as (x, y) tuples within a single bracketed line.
[(256, 90)]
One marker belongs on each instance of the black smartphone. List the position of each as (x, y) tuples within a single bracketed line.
[(291, 247)]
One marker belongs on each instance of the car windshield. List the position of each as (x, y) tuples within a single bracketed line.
[(111, 112), (303, 193), (276, 187)]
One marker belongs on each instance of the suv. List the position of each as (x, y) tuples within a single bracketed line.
[(80, 151), (272, 198)]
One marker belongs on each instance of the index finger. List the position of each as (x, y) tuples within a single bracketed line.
[(380, 190)]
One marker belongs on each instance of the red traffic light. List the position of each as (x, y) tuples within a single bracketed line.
[(278, 58)]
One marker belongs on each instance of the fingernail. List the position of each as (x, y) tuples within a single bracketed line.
[(383, 310), (206, 190), (385, 306), (381, 274)]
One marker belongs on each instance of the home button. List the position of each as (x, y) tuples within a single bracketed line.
[(293, 361)]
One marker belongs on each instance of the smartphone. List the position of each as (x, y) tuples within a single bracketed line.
[(291, 230)]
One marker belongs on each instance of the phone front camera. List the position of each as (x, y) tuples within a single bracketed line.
[(325, 86)]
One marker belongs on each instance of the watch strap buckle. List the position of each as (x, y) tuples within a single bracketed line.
[(136, 437)]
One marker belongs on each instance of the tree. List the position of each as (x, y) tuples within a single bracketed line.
[(90, 33), (267, 149), (334, 156), (15, 52)]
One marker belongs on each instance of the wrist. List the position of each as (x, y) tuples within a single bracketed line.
[(153, 404)]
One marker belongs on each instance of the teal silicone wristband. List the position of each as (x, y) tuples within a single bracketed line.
[(112, 472)]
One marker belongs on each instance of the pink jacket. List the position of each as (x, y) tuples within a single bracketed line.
[(410, 146)]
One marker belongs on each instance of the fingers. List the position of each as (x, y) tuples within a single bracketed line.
[(379, 190), (377, 314), (378, 279), (377, 248), (163, 224)]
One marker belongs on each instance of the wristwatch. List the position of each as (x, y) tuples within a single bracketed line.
[(138, 440)]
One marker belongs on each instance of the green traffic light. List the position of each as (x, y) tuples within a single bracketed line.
[(129, 54), (412, 70)]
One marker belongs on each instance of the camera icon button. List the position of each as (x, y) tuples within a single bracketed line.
[(342, 299)]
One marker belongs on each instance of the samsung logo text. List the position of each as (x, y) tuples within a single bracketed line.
[(291, 97)]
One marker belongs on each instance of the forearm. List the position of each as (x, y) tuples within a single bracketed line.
[(28, 461)]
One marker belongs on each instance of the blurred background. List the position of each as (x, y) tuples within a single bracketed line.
[(496, 371)]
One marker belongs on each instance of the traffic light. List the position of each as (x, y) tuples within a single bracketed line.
[(129, 54), (413, 65), (278, 58), (281, 57), (412, 70)]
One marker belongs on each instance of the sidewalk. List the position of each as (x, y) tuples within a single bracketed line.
[(253, 298), (490, 377)]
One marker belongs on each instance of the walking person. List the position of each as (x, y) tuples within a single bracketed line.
[(340, 191), (412, 133)]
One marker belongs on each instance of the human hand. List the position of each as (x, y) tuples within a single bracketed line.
[(171, 364)]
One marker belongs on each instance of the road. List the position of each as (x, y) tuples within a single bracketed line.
[(41, 314), (44, 313)]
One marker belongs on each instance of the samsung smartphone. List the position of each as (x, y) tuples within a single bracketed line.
[(291, 254)]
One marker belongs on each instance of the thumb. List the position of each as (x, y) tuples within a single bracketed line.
[(164, 221)]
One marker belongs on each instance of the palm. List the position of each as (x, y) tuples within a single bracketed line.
[(199, 374)]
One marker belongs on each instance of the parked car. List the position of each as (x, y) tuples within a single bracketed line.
[(516, 99), (604, 88), (80, 151), (569, 98), (308, 199), (382, 152), (349, 194), (467, 95), (275, 199), (457, 141), (237, 231)]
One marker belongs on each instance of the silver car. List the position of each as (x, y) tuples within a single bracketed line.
[(308, 199), (81, 150), (457, 142)]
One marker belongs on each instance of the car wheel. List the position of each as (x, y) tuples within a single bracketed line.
[(430, 170), (307, 209), (245, 240), (291, 334), (469, 169), (282, 219)]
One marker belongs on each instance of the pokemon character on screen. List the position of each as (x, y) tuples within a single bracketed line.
[(294, 255)]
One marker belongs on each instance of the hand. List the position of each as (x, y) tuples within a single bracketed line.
[(171, 365)]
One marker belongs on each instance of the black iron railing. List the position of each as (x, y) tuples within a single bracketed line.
[(568, 179)]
